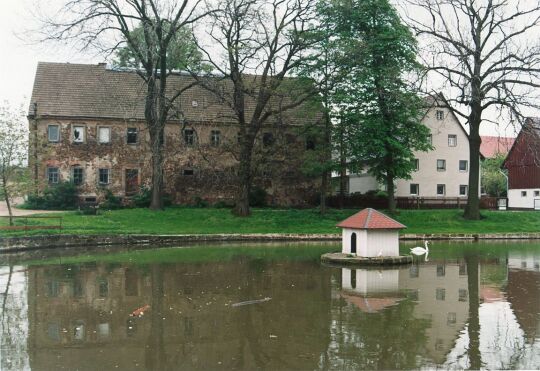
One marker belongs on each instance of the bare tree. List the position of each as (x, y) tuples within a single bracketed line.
[(13, 154), (487, 54), (110, 25), (260, 44)]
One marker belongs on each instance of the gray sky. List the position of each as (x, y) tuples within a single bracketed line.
[(20, 55)]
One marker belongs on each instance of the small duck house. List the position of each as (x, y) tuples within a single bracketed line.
[(370, 233)]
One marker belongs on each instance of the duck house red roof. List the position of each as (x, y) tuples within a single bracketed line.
[(370, 219)]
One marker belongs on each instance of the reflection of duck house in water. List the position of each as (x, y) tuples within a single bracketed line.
[(370, 233), (370, 290)]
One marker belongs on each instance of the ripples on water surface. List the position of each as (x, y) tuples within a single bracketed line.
[(469, 306)]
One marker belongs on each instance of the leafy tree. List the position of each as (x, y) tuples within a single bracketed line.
[(493, 180), (378, 104), (13, 154), (487, 55)]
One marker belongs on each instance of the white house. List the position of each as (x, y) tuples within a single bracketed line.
[(442, 172), (370, 233)]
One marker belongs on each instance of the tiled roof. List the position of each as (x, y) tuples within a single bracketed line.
[(493, 146), (95, 91), (370, 219)]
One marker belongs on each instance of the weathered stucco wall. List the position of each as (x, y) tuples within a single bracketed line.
[(200, 170)]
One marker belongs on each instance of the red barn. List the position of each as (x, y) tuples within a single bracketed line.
[(523, 165)]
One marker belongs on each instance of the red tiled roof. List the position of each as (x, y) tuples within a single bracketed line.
[(492, 146), (370, 219)]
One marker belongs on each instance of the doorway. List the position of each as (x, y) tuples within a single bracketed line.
[(353, 243), (132, 181)]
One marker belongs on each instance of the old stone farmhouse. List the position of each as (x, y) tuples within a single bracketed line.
[(87, 126)]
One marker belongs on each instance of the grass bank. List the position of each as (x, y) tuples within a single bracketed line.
[(179, 220)]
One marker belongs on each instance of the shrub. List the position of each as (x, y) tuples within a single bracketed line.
[(199, 202), (257, 197), (63, 196), (143, 197), (111, 202)]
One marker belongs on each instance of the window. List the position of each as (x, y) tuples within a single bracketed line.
[(132, 134), (440, 294), (103, 330), (78, 134), (523, 193), (77, 175), (441, 165), (441, 270), (52, 175), (430, 139), (415, 189), (53, 133), (104, 135), (439, 114), (463, 190), (188, 172), (104, 176), (79, 331), (536, 193), (452, 140), (463, 165), (103, 287), (463, 294), (310, 144), (451, 318), (215, 138), (189, 137), (441, 189), (268, 139), (416, 164)]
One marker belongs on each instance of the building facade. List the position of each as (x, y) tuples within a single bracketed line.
[(523, 165), (442, 172), (87, 126)]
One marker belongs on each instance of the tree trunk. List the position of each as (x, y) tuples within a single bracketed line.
[(6, 198), (324, 187), (391, 193), (242, 199), (473, 328), (472, 210), (157, 170)]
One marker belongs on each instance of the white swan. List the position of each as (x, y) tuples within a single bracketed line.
[(420, 250)]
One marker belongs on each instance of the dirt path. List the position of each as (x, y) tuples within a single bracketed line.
[(20, 212)]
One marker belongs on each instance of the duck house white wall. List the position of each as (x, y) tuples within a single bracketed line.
[(370, 243)]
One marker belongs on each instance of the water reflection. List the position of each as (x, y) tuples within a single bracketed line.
[(465, 308)]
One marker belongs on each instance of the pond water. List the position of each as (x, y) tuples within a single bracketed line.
[(274, 307)]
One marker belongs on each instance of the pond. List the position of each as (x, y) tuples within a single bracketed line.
[(266, 306)]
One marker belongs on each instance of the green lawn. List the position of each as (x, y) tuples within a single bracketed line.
[(179, 220)]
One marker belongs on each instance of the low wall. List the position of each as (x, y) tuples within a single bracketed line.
[(12, 244)]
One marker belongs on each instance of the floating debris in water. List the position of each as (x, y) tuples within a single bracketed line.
[(250, 302)]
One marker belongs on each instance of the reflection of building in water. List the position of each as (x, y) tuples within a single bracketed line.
[(523, 291), (419, 309), (79, 316)]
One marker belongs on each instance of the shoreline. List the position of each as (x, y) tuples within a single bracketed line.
[(17, 244)]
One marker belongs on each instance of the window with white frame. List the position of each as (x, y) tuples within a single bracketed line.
[(52, 175), (463, 190), (104, 176), (53, 133), (415, 189), (439, 114), (215, 138), (441, 165), (416, 164), (452, 140), (132, 136), (78, 134), (441, 189), (104, 135), (189, 137), (77, 175), (463, 165), (430, 139)]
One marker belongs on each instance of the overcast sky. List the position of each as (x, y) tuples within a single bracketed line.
[(20, 55)]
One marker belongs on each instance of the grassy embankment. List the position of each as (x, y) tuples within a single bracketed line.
[(178, 220)]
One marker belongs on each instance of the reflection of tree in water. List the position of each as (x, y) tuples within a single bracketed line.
[(13, 321), (475, 358)]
